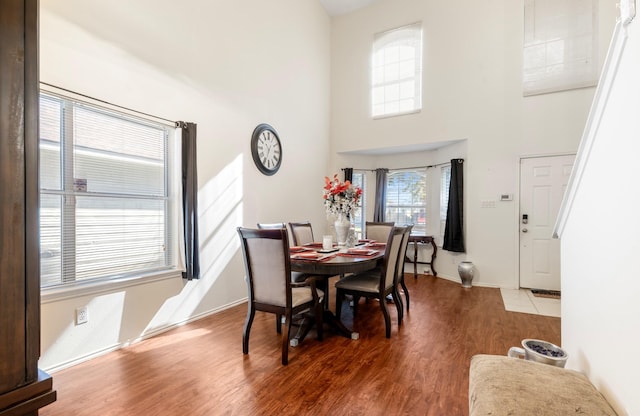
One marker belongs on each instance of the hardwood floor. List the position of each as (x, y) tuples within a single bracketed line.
[(199, 369)]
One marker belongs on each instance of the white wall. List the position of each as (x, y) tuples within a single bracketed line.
[(600, 244), (472, 90), (226, 66)]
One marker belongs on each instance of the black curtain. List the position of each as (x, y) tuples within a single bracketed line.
[(348, 174), (453, 237), (190, 201), (381, 194)]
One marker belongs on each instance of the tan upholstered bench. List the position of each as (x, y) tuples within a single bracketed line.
[(500, 385)]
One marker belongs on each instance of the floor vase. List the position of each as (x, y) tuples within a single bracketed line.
[(465, 270)]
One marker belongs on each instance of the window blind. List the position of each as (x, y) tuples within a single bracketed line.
[(105, 209), (406, 199), (445, 183), (357, 217)]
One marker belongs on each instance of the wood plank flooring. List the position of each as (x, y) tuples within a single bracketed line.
[(199, 368)]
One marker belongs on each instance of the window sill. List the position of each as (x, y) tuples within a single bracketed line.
[(404, 113), (54, 294)]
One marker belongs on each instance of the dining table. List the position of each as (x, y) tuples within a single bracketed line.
[(339, 261)]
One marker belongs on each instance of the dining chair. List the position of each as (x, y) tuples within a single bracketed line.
[(271, 225), (378, 231), (295, 276), (302, 233), (376, 283), (400, 268), (268, 270)]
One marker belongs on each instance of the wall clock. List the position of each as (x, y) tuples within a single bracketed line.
[(266, 149)]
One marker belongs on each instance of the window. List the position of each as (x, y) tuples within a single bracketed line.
[(407, 198), (105, 206), (445, 182), (560, 45), (358, 217), (396, 71)]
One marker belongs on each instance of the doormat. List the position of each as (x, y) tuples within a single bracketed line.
[(541, 293)]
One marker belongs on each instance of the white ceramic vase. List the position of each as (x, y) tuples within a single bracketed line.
[(465, 270), (342, 229)]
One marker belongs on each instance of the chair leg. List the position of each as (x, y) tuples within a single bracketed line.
[(278, 323), (285, 338), (318, 312), (247, 328), (399, 307), (406, 291), (387, 318), (339, 297), (356, 300)]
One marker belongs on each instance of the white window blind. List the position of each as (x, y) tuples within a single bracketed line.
[(358, 217), (105, 209), (445, 182), (396, 71), (406, 200), (560, 45)]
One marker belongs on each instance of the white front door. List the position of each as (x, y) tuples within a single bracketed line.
[(543, 181)]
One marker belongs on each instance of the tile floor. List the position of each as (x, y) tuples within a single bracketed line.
[(522, 300)]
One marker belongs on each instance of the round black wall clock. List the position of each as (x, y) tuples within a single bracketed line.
[(266, 149)]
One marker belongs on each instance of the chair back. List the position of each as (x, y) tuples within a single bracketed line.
[(403, 251), (302, 233), (391, 254), (267, 265), (271, 225), (378, 231)]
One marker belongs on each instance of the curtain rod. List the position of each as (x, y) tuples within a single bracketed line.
[(177, 124), (412, 167)]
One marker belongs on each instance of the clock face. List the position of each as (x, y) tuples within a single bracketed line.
[(266, 149)]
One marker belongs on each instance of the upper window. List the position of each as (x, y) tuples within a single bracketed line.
[(560, 45), (406, 199), (396, 71), (105, 206)]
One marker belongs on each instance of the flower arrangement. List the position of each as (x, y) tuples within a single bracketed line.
[(340, 197)]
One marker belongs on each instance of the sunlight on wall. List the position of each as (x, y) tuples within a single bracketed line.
[(220, 213)]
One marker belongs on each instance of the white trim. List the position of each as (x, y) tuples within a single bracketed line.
[(600, 100), (79, 289)]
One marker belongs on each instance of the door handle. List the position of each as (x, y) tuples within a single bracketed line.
[(524, 230)]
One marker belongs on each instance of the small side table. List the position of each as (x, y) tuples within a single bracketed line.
[(418, 240)]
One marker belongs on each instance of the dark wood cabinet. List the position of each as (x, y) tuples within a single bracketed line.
[(23, 387)]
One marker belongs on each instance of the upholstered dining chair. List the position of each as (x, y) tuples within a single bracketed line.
[(302, 233), (400, 268), (295, 276), (378, 231), (268, 270), (271, 225), (376, 283)]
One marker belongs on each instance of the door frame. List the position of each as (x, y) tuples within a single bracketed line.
[(516, 214)]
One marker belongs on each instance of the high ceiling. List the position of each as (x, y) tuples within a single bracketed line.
[(336, 7)]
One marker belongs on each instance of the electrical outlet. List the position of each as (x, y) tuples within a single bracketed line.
[(82, 315)]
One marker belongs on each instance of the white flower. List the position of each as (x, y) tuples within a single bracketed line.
[(340, 197)]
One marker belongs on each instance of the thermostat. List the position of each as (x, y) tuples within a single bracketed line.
[(506, 197)]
